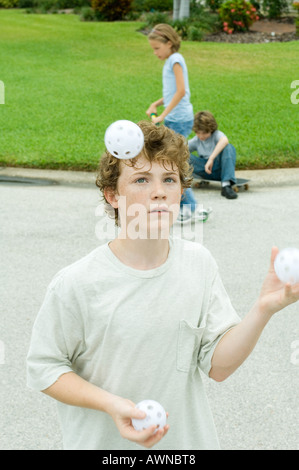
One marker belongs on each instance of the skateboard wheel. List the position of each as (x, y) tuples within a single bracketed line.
[(201, 184)]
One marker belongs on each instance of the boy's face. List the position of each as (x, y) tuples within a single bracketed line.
[(202, 135), (148, 197)]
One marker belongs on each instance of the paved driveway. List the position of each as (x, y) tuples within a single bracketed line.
[(44, 228)]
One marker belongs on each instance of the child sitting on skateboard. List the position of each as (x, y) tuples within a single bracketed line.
[(216, 158)]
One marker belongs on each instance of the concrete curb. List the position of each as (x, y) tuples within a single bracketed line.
[(259, 178), (64, 177)]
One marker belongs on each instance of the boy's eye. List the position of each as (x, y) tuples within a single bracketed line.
[(140, 180), (143, 180), (170, 180)]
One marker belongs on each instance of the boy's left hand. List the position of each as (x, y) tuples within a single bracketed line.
[(275, 295)]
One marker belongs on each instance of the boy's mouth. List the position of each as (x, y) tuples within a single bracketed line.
[(159, 209)]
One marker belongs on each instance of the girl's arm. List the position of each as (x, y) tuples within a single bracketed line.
[(71, 389), (236, 345), (153, 107)]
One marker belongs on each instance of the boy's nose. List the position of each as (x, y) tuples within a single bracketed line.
[(158, 191)]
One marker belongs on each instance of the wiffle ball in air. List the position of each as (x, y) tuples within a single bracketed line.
[(124, 139), (286, 265), (155, 414)]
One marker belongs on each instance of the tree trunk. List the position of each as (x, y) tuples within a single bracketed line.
[(184, 9), (176, 9), (181, 9)]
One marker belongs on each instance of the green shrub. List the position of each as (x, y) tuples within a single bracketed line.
[(152, 5), (8, 3), (275, 8), (214, 5), (193, 28), (111, 10), (44, 6), (27, 3), (296, 7), (87, 14), (194, 33), (156, 18), (237, 15)]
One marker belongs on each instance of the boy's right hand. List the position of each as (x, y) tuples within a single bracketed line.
[(209, 166), (122, 412)]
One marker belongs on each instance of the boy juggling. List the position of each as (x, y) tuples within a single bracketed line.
[(140, 315)]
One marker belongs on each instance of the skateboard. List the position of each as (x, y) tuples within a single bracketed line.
[(241, 183)]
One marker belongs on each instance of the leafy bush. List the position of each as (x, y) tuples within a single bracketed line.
[(87, 14), (296, 7), (237, 15), (214, 5), (156, 18), (45, 6), (111, 10), (152, 5), (275, 8), (193, 28), (8, 3)]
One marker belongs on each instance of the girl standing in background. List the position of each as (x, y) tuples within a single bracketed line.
[(178, 110)]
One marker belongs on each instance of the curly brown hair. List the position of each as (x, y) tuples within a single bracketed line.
[(161, 145)]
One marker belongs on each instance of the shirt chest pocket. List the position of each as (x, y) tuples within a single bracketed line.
[(189, 340)]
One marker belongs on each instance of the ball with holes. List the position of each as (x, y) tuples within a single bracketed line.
[(124, 139), (286, 265), (155, 414)]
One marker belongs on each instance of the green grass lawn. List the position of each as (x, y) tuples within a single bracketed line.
[(66, 81)]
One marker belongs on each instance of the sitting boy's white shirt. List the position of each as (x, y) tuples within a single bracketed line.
[(137, 334)]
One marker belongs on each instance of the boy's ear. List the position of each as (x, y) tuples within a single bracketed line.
[(111, 197)]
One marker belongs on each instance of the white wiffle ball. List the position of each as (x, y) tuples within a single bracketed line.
[(124, 139), (286, 265), (155, 414)]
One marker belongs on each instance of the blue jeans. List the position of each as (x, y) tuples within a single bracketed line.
[(223, 166), (184, 128), (181, 127)]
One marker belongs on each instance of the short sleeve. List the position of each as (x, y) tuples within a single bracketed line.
[(55, 343), (192, 144), (217, 135), (176, 58), (219, 318)]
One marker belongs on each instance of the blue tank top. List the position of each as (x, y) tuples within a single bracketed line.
[(184, 109)]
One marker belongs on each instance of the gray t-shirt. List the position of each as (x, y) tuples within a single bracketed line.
[(204, 148), (139, 334)]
